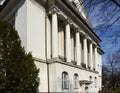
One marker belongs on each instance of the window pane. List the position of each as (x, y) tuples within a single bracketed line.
[(65, 81), (75, 81)]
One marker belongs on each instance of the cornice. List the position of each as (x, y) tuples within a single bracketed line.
[(3, 4), (52, 61), (100, 51)]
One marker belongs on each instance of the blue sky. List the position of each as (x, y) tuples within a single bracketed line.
[(110, 44)]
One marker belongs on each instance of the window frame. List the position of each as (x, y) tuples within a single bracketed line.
[(76, 77), (95, 82), (65, 81)]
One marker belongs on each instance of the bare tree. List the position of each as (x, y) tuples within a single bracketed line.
[(112, 71), (107, 15), (105, 77), (109, 11)]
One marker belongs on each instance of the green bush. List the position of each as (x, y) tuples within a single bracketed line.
[(18, 73)]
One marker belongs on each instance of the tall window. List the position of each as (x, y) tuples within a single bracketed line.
[(90, 78), (75, 81), (65, 80), (95, 82)]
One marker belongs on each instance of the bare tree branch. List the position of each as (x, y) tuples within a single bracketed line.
[(117, 3)]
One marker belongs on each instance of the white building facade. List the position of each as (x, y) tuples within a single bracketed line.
[(62, 42)]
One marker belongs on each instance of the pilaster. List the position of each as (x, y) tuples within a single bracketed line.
[(54, 34)]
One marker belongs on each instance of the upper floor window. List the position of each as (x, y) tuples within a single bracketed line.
[(75, 81), (65, 80)]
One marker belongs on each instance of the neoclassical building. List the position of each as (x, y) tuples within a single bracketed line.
[(62, 42)]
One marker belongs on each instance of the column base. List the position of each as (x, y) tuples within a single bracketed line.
[(89, 67), (55, 58), (83, 65), (74, 62), (62, 58)]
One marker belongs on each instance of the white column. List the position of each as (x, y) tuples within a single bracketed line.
[(95, 61), (91, 55), (85, 51), (54, 35), (78, 57), (68, 44)]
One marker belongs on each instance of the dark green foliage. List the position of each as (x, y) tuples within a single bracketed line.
[(18, 73)]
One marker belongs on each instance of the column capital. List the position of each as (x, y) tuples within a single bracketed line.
[(81, 32), (95, 45), (91, 41), (54, 10), (77, 29), (68, 21), (85, 36)]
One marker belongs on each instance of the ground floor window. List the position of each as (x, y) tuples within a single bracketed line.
[(65, 80), (95, 82), (75, 81)]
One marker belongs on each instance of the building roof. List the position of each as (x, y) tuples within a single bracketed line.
[(3, 5)]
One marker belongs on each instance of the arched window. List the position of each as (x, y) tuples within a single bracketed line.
[(65, 80), (75, 81), (95, 82), (90, 78)]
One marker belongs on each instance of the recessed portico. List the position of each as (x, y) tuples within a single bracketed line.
[(70, 48)]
